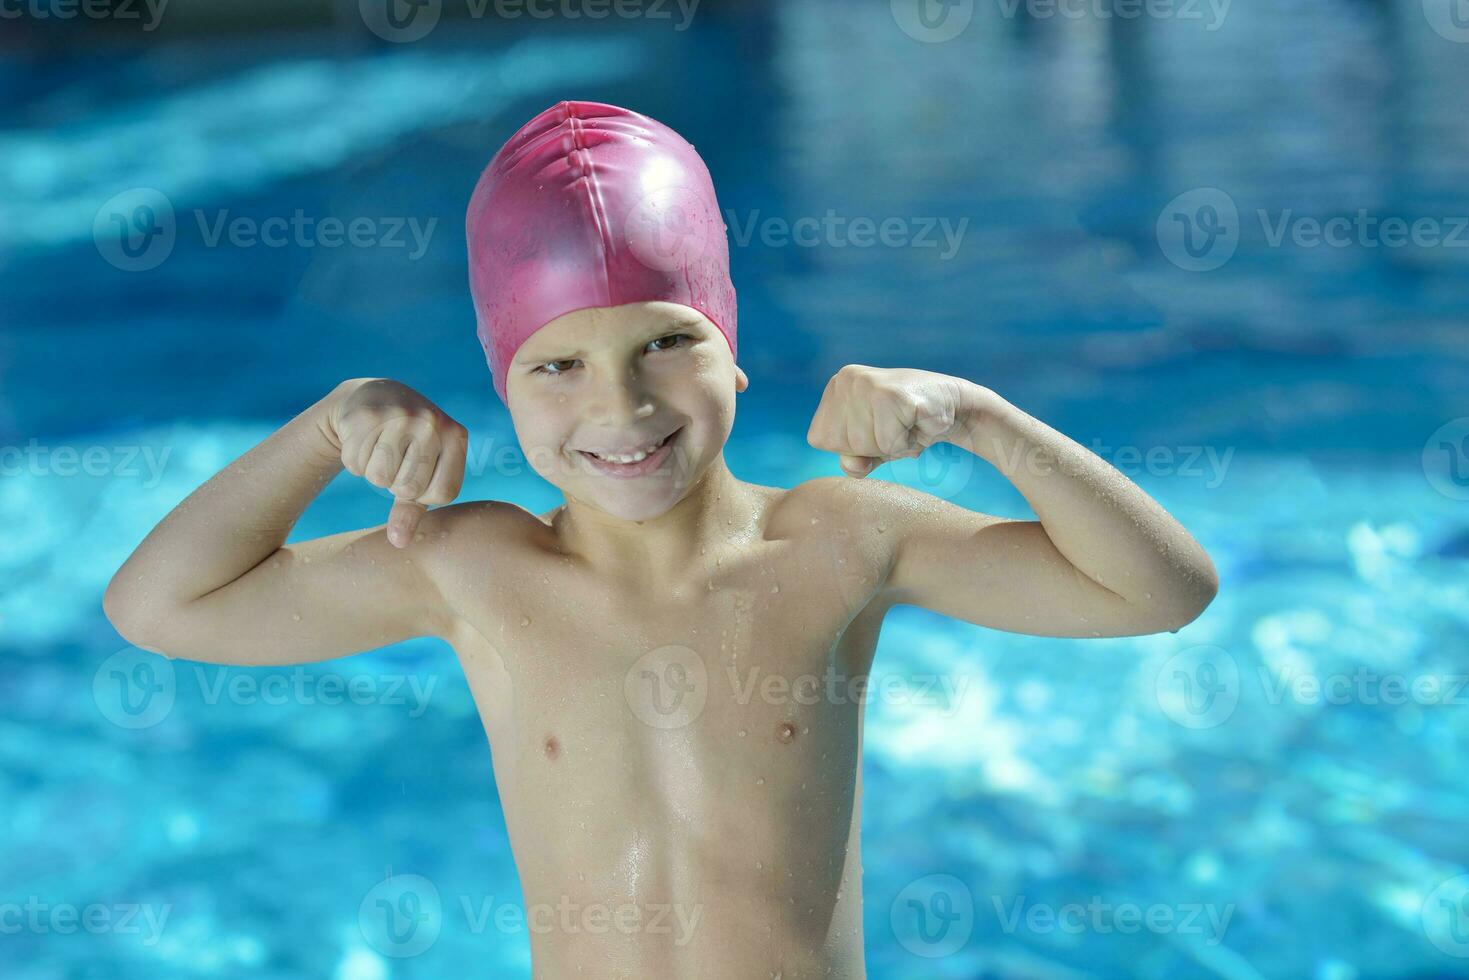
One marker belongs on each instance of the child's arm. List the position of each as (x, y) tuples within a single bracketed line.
[(215, 582), (1103, 560)]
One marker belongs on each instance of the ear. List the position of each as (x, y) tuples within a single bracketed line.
[(742, 380)]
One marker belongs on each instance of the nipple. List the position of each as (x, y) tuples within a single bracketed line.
[(552, 747)]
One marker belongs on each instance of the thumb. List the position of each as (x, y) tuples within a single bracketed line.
[(859, 466), (403, 521)]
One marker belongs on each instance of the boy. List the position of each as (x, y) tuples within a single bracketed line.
[(609, 644)]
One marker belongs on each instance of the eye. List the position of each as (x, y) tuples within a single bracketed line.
[(553, 364), (556, 368), (672, 336)]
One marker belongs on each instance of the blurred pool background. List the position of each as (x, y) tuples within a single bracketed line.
[(1106, 218)]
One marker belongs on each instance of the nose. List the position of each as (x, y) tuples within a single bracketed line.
[(618, 400)]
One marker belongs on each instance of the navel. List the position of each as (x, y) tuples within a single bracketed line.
[(551, 746), (785, 732)]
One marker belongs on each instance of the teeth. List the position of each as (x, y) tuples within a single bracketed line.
[(636, 457)]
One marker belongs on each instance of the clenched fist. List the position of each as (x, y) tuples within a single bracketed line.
[(395, 438), (869, 415)]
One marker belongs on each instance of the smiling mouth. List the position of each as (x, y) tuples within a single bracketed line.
[(628, 459)]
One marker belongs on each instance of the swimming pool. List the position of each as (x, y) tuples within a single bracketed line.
[(1275, 791)]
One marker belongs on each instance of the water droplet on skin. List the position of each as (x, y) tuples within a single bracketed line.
[(775, 588), (759, 865), (1147, 595), (306, 559), (742, 733), (805, 730), (296, 616), (276, 563), (1095, 633), (524, 620), (760, 781), (881, 528), (815, 520)]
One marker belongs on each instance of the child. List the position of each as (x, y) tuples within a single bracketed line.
[(621, 647)]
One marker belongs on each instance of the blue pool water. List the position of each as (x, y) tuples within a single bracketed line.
[(1293, 400)]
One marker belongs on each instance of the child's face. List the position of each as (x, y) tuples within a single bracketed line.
[(618, 379)]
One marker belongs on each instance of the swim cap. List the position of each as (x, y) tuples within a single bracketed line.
[(592, 205)]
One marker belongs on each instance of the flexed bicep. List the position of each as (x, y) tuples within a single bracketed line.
[(313, 600)]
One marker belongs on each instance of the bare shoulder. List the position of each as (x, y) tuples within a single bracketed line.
[(461, 544), (858, 504), (857, 516)]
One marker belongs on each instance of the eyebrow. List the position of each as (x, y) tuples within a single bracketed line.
[(672, 327)]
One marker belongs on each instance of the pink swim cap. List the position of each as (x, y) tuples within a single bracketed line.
[(592, 205)]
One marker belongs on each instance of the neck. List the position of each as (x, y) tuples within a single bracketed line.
[(715, 509)]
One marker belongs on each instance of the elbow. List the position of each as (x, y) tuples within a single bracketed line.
[(1189, 603), (127, 619)]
